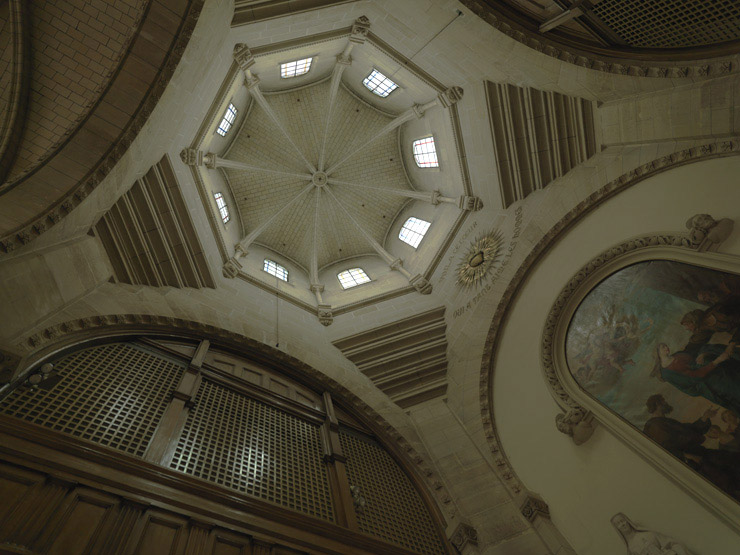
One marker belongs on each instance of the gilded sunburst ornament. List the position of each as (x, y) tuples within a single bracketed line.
[(479, 258)]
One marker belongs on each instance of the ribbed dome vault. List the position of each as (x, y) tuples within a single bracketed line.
[(335, 214), (318, 177)]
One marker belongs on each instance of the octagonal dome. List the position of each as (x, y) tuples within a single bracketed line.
[(317, 170)]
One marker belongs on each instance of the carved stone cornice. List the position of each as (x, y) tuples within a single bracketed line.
[(583, 208), (68, 333), (635, 64), (54, 214)]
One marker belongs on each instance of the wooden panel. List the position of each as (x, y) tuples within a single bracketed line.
[(84, 518), (14, 484), (161, 534)]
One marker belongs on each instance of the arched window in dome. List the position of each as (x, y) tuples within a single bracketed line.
[(352, 277), (275, 269), (413, 231), (227, 121), (222, 208), (379, 84), (295, 68), (425, 154)]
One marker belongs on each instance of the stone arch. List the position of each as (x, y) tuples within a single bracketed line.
[(586, 206)]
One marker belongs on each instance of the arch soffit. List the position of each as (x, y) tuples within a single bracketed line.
[(61, 337), (625, 181), (54, 211)]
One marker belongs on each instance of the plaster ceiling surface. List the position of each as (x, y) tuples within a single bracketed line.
[(338, 211)]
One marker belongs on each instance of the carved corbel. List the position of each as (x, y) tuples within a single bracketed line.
[(325, 314), (577, 423), (232, 267), (534, 507), (450, 96), (421, 284), (191, 156), (470, 203), (464, 537), (360, 30), (243, 56), (706, 233)]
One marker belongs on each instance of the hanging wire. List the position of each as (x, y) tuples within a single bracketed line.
[(277, 312)]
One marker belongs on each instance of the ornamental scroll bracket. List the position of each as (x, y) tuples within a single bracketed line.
[(705, 234)]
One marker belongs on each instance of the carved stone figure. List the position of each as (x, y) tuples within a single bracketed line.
[(646, 542), (706, 233), (576, 423)]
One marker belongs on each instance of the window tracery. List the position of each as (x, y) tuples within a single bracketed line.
[(222, 208)]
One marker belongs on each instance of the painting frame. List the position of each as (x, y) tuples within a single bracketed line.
[(570, 395)]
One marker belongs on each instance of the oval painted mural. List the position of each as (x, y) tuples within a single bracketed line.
[(656, 343)]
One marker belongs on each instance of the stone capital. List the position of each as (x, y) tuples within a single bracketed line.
[(210, 160)]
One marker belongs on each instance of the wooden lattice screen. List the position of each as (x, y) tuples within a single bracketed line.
[(112, 394), (394, 510), (243, 444), (671, 23)]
